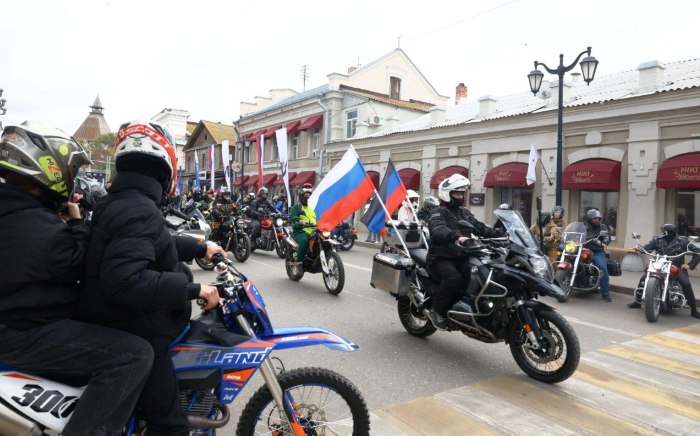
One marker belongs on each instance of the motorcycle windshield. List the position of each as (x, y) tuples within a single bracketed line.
[(518, 232), (197, 214), (575, 232)]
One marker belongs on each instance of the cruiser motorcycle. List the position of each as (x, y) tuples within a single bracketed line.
[(215, 358), (500, 303), (322, 257), (272, 233), (575, 269), (231, 234), (661, 291)]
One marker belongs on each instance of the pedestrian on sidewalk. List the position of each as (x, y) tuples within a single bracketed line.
[(671, 244)]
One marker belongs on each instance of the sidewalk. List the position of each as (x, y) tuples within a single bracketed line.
[(623, 284)]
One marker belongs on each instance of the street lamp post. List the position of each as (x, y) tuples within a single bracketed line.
[(589, 64)]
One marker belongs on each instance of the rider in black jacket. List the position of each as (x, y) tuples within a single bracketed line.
[(133, 280), (41, 262), (600, 235), (671, 244), (258, 209), (446, 260)]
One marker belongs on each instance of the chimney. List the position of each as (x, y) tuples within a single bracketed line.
[(554, 86), (651, 75), (351, 69), (460, 94), (437, 115), (487, 105)]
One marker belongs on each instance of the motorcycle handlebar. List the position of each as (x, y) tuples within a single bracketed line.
[(177, 213), (657, 255)]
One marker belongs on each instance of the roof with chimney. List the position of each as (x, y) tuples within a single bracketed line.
[(94, 126), (619, 86)]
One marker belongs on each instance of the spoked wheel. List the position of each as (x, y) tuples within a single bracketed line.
[(564, 278), (294, 268), (335, 279), (325, 402), (242, 250), (559, 354), (414, 322), (281, 249), (347, 244), (204, 263), (652, 299)]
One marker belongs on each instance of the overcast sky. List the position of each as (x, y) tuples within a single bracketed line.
[(207, 56)]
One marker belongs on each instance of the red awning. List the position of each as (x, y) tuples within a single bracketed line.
[(315, 122), (410, 178), (511, 175), (303, 177), (680, 172), (280, 179), (293, 126), (247, 136), (374, 176), (268, 179), (240, 181), (271, 131), (252, 181), (257, 134), (592, 175), (444, 173)]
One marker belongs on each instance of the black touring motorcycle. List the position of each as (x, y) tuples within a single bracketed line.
[(500, 303)]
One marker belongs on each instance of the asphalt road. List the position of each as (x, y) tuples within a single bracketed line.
[(392, 366)]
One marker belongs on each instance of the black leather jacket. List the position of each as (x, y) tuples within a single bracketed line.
[(601, 236), (259, 207), (444, 232), (673, 247)]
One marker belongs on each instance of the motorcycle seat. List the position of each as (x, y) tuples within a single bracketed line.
[(419, 256)]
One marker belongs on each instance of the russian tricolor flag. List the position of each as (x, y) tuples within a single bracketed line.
[(392, 191), (342, 191)]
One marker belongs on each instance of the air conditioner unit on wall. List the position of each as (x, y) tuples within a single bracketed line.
[(375, 120)]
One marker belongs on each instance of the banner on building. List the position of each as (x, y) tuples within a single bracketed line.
[(284, 161)]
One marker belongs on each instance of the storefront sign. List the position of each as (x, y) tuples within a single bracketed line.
[(687, 173), (503, 176), (584, 176), (271, 165), (476, 199)]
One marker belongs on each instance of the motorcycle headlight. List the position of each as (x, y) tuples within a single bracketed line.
[(542, 267), (326, 235), (570, 247), (657, 265), (279, 222)]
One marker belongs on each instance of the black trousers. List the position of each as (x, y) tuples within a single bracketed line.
[(683, 280), (454, 277), (114, 364)]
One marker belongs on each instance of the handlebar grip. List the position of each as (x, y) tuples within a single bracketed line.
[(178, 214), (217, 258)]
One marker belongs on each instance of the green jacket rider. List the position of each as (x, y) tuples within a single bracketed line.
[(300, 215)]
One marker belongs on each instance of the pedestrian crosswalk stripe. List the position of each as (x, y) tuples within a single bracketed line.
[(639, 390), (647, 358), (664, 351), (682, 336), (558, 407), (690, 330), (666, 341), (422, 415)]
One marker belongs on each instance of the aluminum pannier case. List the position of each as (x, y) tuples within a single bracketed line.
[(391, 273)]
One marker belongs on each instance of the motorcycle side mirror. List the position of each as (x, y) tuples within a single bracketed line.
[(693, 239), (464, 224), (636, 235)]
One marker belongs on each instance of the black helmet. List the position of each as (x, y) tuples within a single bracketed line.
[(669, 230), (591, 214), (545, 217), (263, 192), (560, 210)]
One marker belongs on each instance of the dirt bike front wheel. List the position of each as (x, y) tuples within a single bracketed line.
[(324, 401), (335, 279)]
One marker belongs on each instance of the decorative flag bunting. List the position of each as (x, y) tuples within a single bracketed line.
[(341, 192)]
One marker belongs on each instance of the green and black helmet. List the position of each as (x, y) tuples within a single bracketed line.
[(46, 155)]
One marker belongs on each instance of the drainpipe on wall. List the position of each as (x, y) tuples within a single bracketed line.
[(327, 132)]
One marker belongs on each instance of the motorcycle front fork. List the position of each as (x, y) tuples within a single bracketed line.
[(529, 322)]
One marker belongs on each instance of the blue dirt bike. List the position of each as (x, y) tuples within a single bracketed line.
[(215, 358)]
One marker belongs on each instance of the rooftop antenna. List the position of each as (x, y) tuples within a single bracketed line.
[(304, 75)]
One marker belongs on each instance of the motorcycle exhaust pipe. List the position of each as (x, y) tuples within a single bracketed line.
[(11, 423), (196, 422)]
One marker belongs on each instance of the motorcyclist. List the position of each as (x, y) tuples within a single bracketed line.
[(409, 206), (300, 215), (225, 197), (551, 235), (281, 204), (498, 225), (196, 195), (600, 235), (429, 203), (133, 280), (259, 207), (672, 244), (41, 262), (558, 216), (445, 259)]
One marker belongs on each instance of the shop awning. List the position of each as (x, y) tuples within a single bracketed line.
[(680, 172), (257, 134), (247, 136), (280, 179), (252, 181), (293, 127), (303, 177), (271, 131), (268, 179), (374, 176), (510, 175), (444, 173), (315, 122), (410, 178), (240, 181), (592, 175)]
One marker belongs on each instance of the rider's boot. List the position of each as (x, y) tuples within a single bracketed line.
[(463, 306), (636, 304)]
